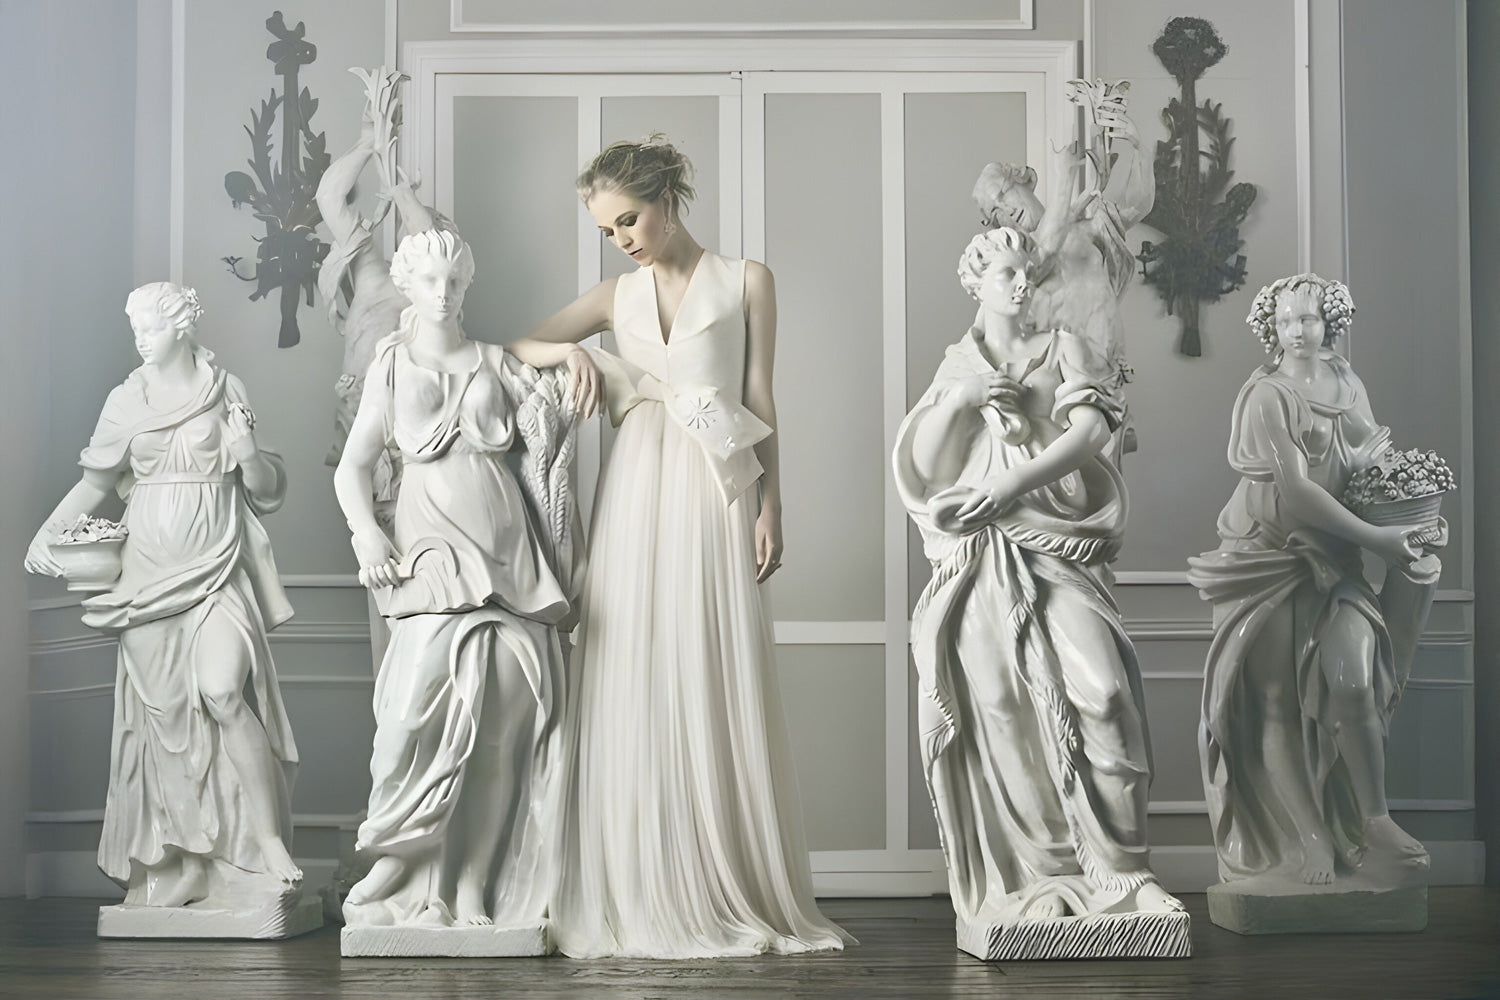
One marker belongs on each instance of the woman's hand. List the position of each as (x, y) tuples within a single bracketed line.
[(239, 434), (989, 387), (377, 558), (989, 501), (1370, 450), (767, 543), (39, 552), (583, 381)]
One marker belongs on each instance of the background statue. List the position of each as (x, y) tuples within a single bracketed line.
[(1084, 263), (197, 812), (463, 820), (1307, 662), (364, 304), (1033, 732)]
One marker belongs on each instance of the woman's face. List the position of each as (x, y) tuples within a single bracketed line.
[(1005, 287), (1299, 323), (157, 338), (436, 287), (638, 228)]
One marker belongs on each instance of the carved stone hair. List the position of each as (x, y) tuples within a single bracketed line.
[(1333, 300), (444, 244), (642, 170), (994, 181), (178, 303), (986, 248)]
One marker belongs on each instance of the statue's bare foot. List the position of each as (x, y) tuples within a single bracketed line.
[(385, 875), (1317, 862), (468, 907), (1047, 908), (278, 862), (1152, 898), (189, 884), (1383, 837)]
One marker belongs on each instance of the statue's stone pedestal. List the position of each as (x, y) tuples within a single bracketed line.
[(271, 920), (1353, 904), (445, 942), (1112, 935)]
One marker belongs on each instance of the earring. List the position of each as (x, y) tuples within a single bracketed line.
[(669, 228)]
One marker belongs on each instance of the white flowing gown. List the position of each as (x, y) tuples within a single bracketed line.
[(684, 832)]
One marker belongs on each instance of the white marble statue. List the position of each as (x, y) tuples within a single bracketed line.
[(1084, 262), (1033, 734), (364, 304), (684, 837), (1308, 662), (463, 821), (197, 821)]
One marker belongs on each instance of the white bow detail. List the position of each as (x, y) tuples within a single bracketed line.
[(726, 431)]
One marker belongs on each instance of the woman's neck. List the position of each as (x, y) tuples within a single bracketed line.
[(680, 255)]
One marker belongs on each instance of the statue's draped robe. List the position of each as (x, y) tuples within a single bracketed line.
[(1012, 740), (1273, 577), (195, 549), (491, 571)]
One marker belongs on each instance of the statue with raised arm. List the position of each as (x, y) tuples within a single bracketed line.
[(1308, 661), (364, 305), (1084, 263), (1032, 726)]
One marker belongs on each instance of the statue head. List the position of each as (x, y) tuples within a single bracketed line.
[(1297, 299), (1006, 196), (993, 269), (163, 313), (433, 269)]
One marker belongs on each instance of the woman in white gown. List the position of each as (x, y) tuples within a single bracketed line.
[(684, 835)]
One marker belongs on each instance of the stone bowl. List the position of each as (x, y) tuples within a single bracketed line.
[(1412, 510), (89, 566)]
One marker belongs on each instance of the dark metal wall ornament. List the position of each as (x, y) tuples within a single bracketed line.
[(1198, 259), (288, 256)]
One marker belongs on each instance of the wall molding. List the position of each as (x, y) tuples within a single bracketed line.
[(461, 23)]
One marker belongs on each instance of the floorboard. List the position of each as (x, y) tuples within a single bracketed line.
[(48, 951)]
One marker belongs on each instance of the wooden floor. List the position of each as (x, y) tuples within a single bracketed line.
[(48, 951)]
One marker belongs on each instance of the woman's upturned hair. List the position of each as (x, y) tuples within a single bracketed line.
[(642, 170)]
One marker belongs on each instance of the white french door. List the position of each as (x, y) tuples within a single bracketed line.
[(847, 170)]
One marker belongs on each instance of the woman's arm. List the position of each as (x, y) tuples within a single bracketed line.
[(760, 326), (337, 184), (85, 495), (555, 342), (353, 485), (558, 335), (1086, 435)]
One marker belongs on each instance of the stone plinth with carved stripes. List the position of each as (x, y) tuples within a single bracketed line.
[(1114, 935)]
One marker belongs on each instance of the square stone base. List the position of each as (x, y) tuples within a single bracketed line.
[(269, 921), (445, 942), (1113, 935), (1266, 905)]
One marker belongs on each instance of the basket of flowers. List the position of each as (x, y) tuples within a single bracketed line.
[(88, 550), (1402, 487)]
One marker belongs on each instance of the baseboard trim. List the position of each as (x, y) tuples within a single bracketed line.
[(918, 873)]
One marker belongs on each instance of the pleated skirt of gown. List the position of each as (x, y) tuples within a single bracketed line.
[(684, 833)]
